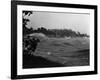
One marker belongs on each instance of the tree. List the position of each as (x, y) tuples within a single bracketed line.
[(25, 29)]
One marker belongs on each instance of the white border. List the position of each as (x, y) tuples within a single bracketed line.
[(21, 71)]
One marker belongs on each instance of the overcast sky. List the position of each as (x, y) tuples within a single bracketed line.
[(56, 20)]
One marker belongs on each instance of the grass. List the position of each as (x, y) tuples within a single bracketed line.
[(59, 52), (31, 61)]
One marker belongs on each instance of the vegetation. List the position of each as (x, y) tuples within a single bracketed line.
[(59, 32), (25, 29)]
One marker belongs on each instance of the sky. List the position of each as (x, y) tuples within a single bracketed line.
[(57, 20)]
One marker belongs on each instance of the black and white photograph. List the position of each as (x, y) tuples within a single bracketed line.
[(53, 39)]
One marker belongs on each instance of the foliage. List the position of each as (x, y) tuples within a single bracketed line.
[(25, 29), (59, 32)]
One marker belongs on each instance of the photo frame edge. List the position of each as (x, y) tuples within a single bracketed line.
[(14, 43)]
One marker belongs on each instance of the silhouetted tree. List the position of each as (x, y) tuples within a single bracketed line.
[(25, 29)]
